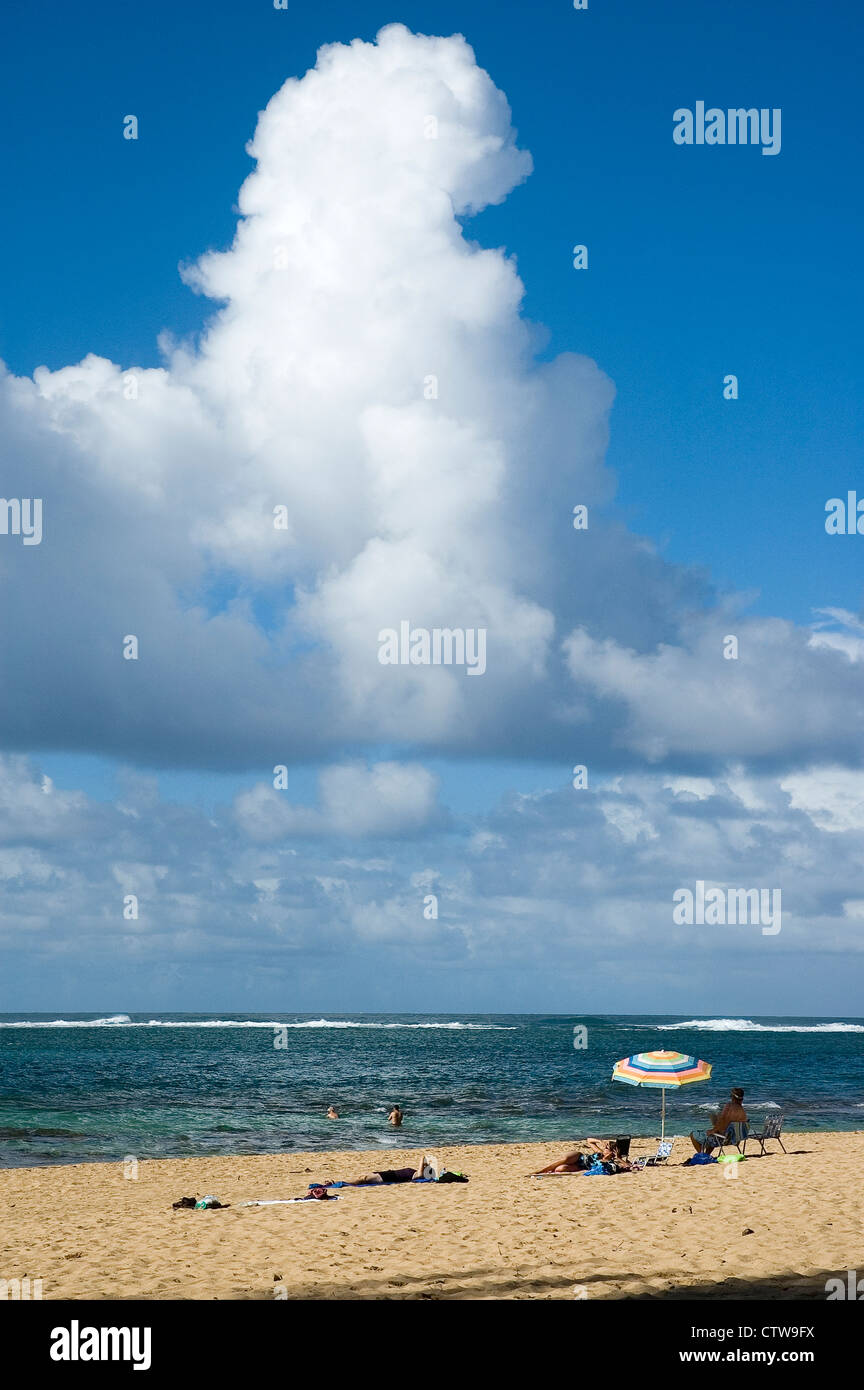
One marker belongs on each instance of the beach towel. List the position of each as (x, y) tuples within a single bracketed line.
[(279, 1201), (373, 1184), (697, 1160)]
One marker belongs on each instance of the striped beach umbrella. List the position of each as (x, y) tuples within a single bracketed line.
[(663, 1069)]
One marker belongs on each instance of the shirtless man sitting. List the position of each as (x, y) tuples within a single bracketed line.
[(733, 1112)]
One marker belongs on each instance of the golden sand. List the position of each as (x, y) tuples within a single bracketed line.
[(777, 1229)]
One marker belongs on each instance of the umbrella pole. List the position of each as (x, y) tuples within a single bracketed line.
[(663, 1113)]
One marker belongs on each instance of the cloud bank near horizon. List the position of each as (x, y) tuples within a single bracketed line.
[(559, 900)]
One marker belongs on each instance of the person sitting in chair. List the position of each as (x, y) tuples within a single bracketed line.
[(733, 1113)]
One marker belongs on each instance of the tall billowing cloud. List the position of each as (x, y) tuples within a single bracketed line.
[(362, 437)]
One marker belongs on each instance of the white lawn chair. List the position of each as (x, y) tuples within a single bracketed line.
[(664, 1149)]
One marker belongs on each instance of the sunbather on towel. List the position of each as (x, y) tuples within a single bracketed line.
[(733, 1112), (386, 1175), (596, 1151)]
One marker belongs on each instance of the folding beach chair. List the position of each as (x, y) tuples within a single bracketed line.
[(736, 1134), (664, 1149), (771, 1127)]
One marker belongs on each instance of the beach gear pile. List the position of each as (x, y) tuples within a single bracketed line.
[(697, 1160), (208, 1203)]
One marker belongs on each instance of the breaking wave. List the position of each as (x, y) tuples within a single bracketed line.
[(745, 1025), (124, 1021), (115, 1021)]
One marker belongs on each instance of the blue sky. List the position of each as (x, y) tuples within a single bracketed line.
[(701, 262)]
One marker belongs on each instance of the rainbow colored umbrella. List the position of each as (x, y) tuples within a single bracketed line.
[(663, 1069)]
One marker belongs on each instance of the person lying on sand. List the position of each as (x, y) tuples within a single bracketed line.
[(733, 1112), (596, 1151), (386, 1175)]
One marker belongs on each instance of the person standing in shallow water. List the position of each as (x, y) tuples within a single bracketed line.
[(395, 1117), (332, 1113)]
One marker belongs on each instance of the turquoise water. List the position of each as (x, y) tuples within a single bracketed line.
[(87, 1089)]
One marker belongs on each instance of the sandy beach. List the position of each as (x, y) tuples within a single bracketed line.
[(778, 1229)]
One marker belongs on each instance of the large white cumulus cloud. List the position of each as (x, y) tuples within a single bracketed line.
[(367, 369)]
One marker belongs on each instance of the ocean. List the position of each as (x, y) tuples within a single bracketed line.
[(89, 1089)]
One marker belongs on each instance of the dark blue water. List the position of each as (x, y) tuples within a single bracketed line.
[(181, 1084)]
